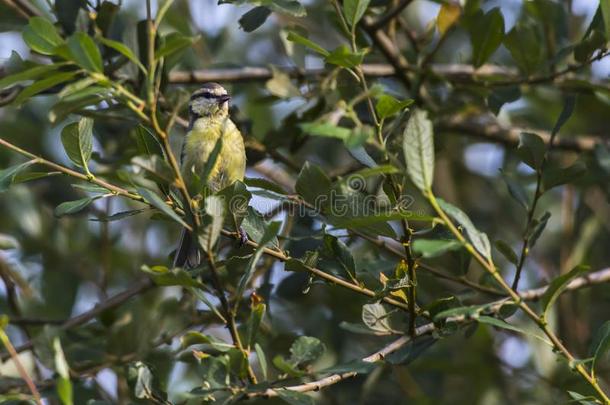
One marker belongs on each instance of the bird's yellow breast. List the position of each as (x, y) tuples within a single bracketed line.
[(199, 144)]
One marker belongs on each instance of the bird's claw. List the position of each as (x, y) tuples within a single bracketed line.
[(243, 236)]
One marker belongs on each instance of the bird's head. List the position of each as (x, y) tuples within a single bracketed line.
[(211, 100)]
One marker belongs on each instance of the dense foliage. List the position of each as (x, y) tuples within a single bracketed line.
[(426, 203)]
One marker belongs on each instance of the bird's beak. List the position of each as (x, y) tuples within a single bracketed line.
[(224, 99)]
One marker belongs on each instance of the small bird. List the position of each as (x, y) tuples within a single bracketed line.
[(208, 121)]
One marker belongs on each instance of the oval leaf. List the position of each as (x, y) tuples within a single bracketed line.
[(77, 139), (418, 147)]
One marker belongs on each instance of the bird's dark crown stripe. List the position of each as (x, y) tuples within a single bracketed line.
[(203, 95)]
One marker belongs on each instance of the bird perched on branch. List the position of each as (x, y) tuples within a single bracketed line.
[(209, 122)]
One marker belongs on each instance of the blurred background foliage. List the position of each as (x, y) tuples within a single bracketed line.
[(77, 260)]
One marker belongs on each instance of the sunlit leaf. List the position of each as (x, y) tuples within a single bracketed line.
[(418, 148), (43, 84), (387, 106), (84, 51), (376, 317), (478, 239), (123, 50), (153, 199), (77, 139), (41, 36), (301, 40), (354, 10), (342, 56), (72, 207), (448, 15)]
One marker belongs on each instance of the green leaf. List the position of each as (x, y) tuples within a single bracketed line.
[(558, 285), (7, 175), (500, 323), (256, 316), (77, 139), (42, 85), (376, 318), (280, 85), (502, 95), (119, 215), (558, 176), (64, 385), (270, 233), (265, 184), (290, 7), (161, 275), (85, 52), (583, 400), (301, 40), (411, 350), (352, 138), (537, 228), (600, 344), (486, 34), (305, 350), (342, 56), (8, 242), (294, 397), (283, 365), (173, 43), (507, 251), (523, 43), (478, 239), (153, 199), (262, 359), (41, 36), (144, 381), (516, 190), (339, 252), (605, 9), (354, 10), (566, 113), (123, 50), (215, 216), (254, 18), (313, 185), (531, 149), (72, 207), (32, 73), (435, 247), (387, 106), (418, 148)]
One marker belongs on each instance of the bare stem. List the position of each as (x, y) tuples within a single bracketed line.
[(229, 315)]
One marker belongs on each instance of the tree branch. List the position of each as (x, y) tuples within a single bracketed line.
[(601, 276), (321, 274), (491, 130), (137, 288)]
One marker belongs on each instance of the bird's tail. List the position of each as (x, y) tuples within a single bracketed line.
[(188, 255)]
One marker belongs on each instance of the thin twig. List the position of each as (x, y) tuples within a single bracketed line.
[(489, 267), (22, 372), (229, 314), (490, 130), (390, 15), (281, 256), (601, 276), (137, 288)]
